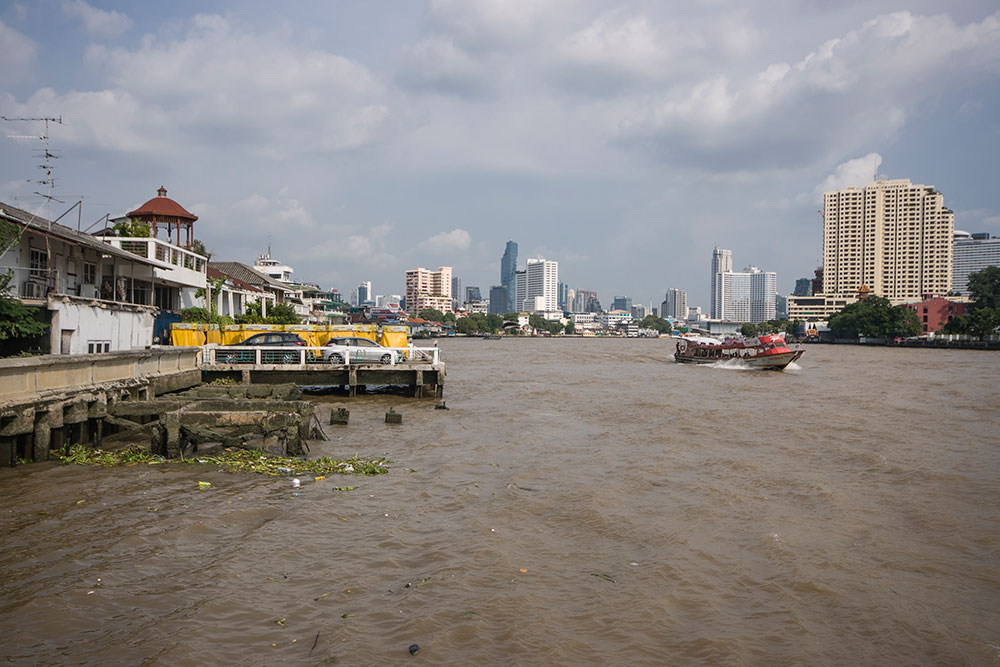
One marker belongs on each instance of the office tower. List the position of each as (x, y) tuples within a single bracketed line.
[(622, 303), (722, 262), (456, 291), (508, 272), (746, 296), (972, 253), (520, 289), (498, 300), (428, 289), (803, 287), (563, 296), (472, 294), (674, 304), (541, 285), (891, 236), (364, 292)]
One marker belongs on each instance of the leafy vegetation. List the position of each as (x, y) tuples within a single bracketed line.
[(655, 323), (18, 322), (479, 323), (237, 460), (539, 323), (786, 327), (875, 317), (131, 228), (982, 318)]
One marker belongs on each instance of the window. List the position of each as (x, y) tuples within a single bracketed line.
[(89, 273), (96, 346), (39, 263)]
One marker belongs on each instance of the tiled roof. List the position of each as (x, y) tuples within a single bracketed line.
[(248, 275), (162, 205), (215, 273)]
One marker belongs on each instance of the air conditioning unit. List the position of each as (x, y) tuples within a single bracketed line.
[(31, 290), (88, 291)]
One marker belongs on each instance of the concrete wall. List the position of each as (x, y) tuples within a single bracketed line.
[(123, 326), (163, 368)]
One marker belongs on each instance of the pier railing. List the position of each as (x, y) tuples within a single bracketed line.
[(299, 357)]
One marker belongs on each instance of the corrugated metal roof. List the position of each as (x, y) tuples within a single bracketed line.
[(40, 225), (248, 275)]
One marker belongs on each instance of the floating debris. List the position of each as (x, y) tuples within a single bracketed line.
[(238, 460)]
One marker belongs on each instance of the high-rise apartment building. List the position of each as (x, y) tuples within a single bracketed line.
[(746, 296), (520, 289), (722, 262), (508, 272), (428, 289), (541, 285), (972, 253), (674, 305), (891, 236)]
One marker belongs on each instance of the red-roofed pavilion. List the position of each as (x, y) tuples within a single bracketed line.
[(163, 210)]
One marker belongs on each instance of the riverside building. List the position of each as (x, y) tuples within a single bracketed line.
[(722, 262), (972, 253), (428, 289), (892, 236)]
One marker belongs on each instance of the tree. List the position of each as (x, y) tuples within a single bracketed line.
[(281, 313), (130, 228), (570, 329), (749, 329), (875, 317), (18, 323), (657, 323), (984, 287), (431, 314), (199, 248), (251, 314), (539, 323)]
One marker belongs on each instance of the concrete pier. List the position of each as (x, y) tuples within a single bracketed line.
[(423, 380)]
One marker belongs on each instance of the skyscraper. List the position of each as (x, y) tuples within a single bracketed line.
[(746, 296), (520, 289), (364, 292), (472, 293), (622, 303), (722, 261), (498, 300), (674, 305), (456, 291), (892, 236), (542, 285), (972, 253), (508, 269)]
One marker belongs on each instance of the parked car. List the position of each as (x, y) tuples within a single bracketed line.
[(338, 350), (232, 354)]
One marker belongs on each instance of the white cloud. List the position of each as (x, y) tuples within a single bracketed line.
[(851, 174), (17, 55), (219, 87), (844, 94), (97, 22), (457, 240)]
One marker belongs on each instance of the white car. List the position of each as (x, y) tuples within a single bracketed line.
[(338, 350)]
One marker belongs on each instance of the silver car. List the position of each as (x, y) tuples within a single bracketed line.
[(338, 350)]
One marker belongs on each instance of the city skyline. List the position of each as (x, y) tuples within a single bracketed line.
[(373, 139)]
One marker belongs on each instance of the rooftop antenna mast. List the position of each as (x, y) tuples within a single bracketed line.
[(46, 154)]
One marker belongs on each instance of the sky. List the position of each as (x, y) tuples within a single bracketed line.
[(625, 140)]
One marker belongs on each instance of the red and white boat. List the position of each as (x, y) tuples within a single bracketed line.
[(768, 352)]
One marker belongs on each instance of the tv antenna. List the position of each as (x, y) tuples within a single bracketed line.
[(46, 154)]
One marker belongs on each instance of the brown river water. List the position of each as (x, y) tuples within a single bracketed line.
[(582, 502)]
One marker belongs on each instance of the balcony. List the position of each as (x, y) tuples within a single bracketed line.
[(175, 264)]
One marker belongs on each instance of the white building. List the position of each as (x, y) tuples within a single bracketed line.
[(542, 282), (272, 268), (100, 294), (972, 253), (746, 296), (893, 237), (614, 319), (722, 262)]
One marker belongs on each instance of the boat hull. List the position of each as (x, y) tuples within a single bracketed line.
[(771, 362)]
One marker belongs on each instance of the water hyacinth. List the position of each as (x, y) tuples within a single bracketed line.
[(237, 460)]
